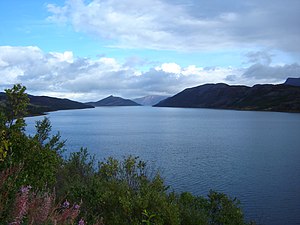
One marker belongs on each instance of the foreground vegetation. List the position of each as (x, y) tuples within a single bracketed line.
[(39, 186)]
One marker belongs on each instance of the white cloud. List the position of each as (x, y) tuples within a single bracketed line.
[(186, 24), (169, 68), (58, 13), (63, 57), (61, 74)]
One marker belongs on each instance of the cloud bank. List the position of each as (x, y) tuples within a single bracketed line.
[(188, 25), (61, 74)]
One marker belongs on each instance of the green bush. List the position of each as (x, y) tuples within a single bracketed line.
[(118, 191), (121, 192), (193, 210), (40, 155), (36, 158)]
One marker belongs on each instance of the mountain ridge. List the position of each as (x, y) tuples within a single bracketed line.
[(113, 101), (260, 97), (39, 105), (292, 81)]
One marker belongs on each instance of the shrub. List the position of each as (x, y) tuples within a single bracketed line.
[(123, 192), (40, 155)]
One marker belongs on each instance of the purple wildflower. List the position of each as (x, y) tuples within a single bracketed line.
[(76, 206), (25, 189), (81, 222), (66, 204)]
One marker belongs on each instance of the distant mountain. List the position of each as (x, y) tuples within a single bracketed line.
[(293, 82), (222, 96), (40, 104), (150, 100), (113, 101)]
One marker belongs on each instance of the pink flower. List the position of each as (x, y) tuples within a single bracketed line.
[(21, 204)]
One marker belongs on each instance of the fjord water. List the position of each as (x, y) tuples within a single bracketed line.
[(254, 156)]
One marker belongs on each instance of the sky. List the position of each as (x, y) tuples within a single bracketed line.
[(85, 50)]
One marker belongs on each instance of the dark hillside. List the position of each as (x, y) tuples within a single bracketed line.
[(284, 98), (113, 101), (40, 104)]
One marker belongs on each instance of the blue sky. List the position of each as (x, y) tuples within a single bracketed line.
[(86, 50)]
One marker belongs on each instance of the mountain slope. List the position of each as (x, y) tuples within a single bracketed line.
[(41, 104), (149, 100), (205, 96), (113, 101), (293, 81), (222, 96), (57, 103)]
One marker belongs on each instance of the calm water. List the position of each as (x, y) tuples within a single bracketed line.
[(254, 156)]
